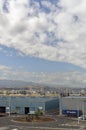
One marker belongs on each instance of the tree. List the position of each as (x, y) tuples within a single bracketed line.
[(38, 113)]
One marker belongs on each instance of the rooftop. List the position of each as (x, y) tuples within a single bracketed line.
[(75, 97), (32, 99)]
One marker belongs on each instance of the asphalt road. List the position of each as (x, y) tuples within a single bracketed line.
[(60, 123)]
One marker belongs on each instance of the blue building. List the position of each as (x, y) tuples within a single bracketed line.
[(24, 105)]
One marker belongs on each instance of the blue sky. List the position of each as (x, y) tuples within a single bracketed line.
[(43, 41), (11, 57)]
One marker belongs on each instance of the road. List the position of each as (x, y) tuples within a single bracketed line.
[(60, 123)]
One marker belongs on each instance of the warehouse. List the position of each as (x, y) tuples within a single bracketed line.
[(72, 105), (24, 105)]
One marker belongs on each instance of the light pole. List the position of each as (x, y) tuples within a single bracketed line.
[(9, 104), (78, 111), (60, 104), (83, 109)]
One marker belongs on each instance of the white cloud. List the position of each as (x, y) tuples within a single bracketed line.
[(4, 68), (55, 32), (64, 79)]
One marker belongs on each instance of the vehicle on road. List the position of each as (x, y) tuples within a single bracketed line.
[(82, 117)]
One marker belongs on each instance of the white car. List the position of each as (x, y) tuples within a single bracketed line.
[(82, 117)]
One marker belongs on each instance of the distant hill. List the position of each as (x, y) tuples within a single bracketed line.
[(16, 83)]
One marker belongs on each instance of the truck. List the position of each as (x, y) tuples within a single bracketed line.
[(72, 113)]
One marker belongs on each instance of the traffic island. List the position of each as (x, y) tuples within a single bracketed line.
[(33, 118)]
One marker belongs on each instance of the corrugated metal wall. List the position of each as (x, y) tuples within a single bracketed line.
[(74, 103), (52, 105), (18, 104)]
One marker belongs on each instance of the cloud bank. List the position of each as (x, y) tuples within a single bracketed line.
[(58, 79), (53, 31)]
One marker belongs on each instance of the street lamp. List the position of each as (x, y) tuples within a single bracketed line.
[(83, 109), (60, 104), (9, 104), (78, 111)]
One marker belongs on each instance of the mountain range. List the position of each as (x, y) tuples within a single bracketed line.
[(16, 84)]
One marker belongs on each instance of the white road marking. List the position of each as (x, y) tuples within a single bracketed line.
[(15, 129)]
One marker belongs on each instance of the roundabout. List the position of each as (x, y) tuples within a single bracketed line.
[(59, 123)]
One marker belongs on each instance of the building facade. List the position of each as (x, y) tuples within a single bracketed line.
[(24, 105), (73, 103)]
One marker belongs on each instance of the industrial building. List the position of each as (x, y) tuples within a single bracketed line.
[(72, 105), (24, 105)]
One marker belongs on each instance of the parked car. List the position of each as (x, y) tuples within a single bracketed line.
[(82, 117)]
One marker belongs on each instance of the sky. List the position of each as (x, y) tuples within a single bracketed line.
[(43, 41)]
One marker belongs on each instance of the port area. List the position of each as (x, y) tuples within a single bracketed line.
[(59, 123)]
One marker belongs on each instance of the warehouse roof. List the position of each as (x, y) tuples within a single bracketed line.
[(31, 99), (75, 97)]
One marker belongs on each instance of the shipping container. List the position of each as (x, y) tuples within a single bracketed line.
[(72, 113)]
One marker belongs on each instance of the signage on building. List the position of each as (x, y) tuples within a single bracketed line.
[(40, 108), (7, 108), (32, 112)]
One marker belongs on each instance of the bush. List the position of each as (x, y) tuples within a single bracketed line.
[(38, 113)]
